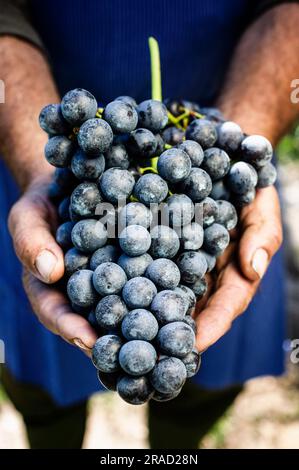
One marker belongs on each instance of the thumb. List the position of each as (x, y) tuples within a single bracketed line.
[(262, 233), (30, 223)]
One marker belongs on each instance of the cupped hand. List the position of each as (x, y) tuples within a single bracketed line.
[(241, 268), (32, 222)]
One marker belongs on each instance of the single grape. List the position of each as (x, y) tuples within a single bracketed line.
[(164, 273), (152, 115), (105, 353), (197, 185), (117, 156), (121, 116), (95, 136), (116, 184), (78, 105), (139, 324), (59, 151), (80, 288), (230, 136), (109, 278), (173, 136), (216, 163), (168, 306), (216, 239), (242, 178), (176, 339), (227, 215), (87, 168), (150, 189), (194, 151), (108, 253), (142, 143), (165, 242), (134, 266), (207, 211), (63, 235), (266, 175), (180, 210), (192, 265), (192, 362), (88, 235), (139, 292), (63, 209), (134, 240), (192, 236), (110, 311), (137, 357), (134, 390), (75, 260), (52, 121), (91, 318), (174, 165), (203, 132), (256, 150), (169, 375), (85, 199)]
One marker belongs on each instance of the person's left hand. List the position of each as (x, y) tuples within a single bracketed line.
[(241, 268)]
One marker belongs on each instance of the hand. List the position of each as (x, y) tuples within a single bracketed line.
[(32, 221), (241, 268)]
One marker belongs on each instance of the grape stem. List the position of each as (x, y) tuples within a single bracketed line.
[(155, 69)]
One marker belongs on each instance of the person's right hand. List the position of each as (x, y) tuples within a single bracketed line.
[(32, 222)]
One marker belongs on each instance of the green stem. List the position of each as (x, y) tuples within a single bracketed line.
[(155, 69)]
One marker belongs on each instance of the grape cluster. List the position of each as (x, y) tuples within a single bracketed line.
[(139, 289)]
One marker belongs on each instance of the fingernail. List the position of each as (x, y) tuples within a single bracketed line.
[(45, 264), (77, 342), (260, 262)]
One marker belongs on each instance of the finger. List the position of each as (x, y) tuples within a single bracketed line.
[(232, 296), (54, 312), (30, 224), (262, 233)]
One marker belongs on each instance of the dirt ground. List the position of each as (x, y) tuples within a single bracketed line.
[(265, 415)]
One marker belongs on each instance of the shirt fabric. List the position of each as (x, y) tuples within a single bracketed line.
[(102, 46)]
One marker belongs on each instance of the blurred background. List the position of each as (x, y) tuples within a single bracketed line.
[(266, 413)]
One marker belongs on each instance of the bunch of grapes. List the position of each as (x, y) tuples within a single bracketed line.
[(138, 289)]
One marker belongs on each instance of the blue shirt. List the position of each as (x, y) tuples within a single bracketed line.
[(102, 46)]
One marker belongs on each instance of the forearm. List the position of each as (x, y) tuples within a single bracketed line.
[(256, 93), (28, 87)]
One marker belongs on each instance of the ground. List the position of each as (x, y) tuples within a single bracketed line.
[(266, 413)]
